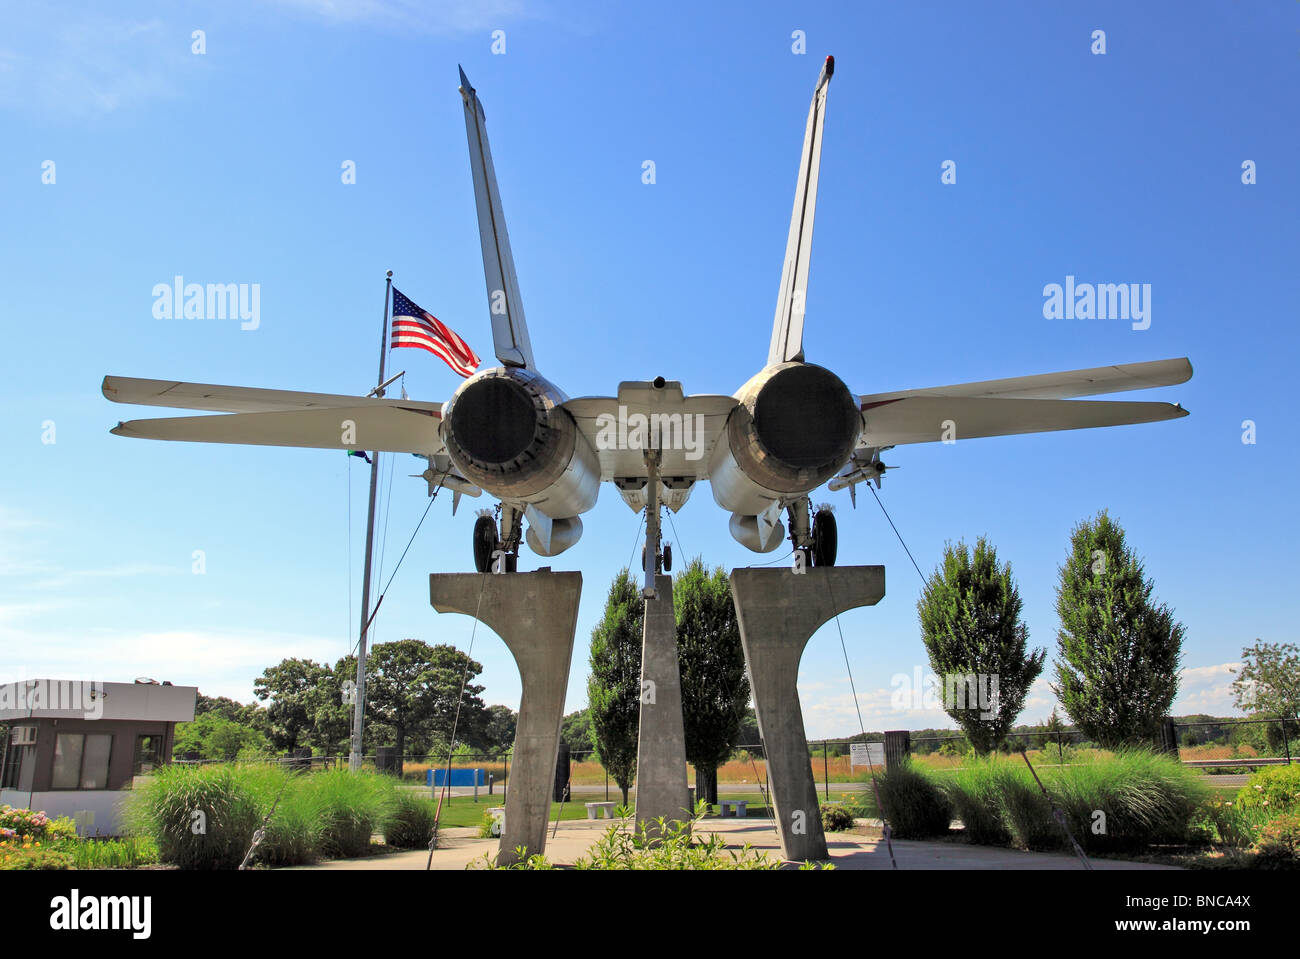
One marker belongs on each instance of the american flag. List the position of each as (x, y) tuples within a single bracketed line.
[(415, 327)]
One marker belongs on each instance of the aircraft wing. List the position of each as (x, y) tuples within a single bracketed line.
[(236, 399), (376, 426), (924, 418), (1062, 386)]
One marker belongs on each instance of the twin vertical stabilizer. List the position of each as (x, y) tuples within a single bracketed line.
[(509, 329), (787, 328)]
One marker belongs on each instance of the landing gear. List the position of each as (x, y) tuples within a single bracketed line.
[(817, 540), (825, 538), (488, 541), (666, 557), (485, 542)]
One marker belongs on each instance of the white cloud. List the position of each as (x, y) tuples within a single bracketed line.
[(1202, 689), (219, 662), (87, 63)]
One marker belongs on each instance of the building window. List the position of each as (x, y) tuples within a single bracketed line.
[(18, 766), (148, 754), (81, 761)]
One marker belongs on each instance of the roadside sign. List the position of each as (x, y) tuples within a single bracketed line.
[(866, 754)]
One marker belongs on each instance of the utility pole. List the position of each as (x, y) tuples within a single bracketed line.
[(359, 707)]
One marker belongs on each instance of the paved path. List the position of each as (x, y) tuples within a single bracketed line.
[(460, 846)]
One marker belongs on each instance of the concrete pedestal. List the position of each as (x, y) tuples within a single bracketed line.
[(536, 615), (661, 742), (778, 611)]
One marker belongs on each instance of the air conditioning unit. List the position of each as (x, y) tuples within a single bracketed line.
[(23, 736)]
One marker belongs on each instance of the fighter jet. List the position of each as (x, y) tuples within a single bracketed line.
[(511, 433)]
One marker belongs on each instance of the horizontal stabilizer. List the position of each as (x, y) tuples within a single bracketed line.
[(1062, 386), (389, 429), (925, 419), (236, 399)]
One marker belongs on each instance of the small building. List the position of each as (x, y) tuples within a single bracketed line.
[(73, 748)]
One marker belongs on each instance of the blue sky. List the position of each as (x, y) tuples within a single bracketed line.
[(225, 167)]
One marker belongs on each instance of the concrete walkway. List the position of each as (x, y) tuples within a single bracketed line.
[(459, 846)]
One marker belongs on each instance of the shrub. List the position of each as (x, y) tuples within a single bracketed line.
[(1026, 812), (34, 857), (352, 807), (912, 804), (1145, 797), (113, 853), (200, 817), (293, 834), (1228, 823), (488, 827), (974, 791), (835, 818), (1278, 846), (675, 844), (22, 823), (410, 825), (1275, 788)]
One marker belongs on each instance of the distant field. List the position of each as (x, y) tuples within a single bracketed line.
[(836, 768)]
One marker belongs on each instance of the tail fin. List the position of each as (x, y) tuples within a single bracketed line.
[(787, 328), (509, 329)]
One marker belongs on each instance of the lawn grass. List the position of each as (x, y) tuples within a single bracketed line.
[(463, 811)]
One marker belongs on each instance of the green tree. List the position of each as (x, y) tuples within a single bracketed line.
[(1269, 680), (715, 688), (614, 686), (213, 736), (970, 624), (748, 734), (575, 731), (501, 727), (412, 687), (220, 705), (294, 687), (331, 730), (1118, 650)]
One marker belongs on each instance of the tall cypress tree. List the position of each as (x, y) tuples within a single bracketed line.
[(715, 688), (970, 623), (1118, 650), (614, 686)]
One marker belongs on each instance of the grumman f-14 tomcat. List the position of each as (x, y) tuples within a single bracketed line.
[(510, 432)]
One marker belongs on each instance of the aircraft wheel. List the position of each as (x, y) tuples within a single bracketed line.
[(825, 538), (512, 562), (668, 557), (485, 543)]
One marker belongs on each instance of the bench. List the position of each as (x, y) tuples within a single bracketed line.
[(606, 810), (737, 806)]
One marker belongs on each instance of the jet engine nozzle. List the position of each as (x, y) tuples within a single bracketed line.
[(795, 427), (506, 433)]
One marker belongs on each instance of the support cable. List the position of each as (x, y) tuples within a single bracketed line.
[(886, 830)]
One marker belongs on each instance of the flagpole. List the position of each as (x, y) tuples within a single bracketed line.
[(359, 707)]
